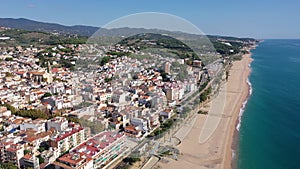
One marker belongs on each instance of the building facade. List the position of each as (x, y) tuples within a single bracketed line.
[(103, 148)]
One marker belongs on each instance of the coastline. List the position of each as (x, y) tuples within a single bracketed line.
[(235, 141), (232, 142), (216, 152)]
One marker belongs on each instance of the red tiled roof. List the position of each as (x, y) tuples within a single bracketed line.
[(95, 144), (37, 73), (40, 92), (11, 149), (55, 70), (45, 103), (20, 72), (131, 128), (69, 158), (30, 139), (27, 156), (18, 121)]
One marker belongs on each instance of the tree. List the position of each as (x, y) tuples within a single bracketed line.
[(227, 74), (131, 160), (164, 75), (104, 60), (107, 79), (46, 95), (189, 62), (34, 114), (8, 166), (96, 126), (41, 149), (41, 159), (10, 107), (186, 109), (8, 74), (8, 59), (204, 96), (73, 119), (27, 151)]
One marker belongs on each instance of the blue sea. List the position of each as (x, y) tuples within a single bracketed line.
[(269, 136)]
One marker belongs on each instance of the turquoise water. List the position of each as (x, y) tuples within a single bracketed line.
[(269, 136)]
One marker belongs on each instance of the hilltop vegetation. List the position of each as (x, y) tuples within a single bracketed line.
[(26, 38), (160, 44), (205, 49), (26, 24), (170, 44)]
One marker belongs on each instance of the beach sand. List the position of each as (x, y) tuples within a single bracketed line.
[(214, 152)]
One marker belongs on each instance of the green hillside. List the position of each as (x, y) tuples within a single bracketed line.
[(25, 38)]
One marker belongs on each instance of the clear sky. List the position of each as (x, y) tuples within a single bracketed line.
[(243, 18)]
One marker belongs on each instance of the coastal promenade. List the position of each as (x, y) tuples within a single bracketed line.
[(207, 143)]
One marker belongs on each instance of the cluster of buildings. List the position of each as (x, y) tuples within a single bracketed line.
[(23, 83), (28, 143), (96, 152), (128, 95), (24, 141), (137, 95)]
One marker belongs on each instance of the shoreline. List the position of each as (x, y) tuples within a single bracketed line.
[(235, 138), (235, 141), (216, 152)]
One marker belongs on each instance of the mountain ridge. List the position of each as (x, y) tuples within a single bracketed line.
[(27, 24), (84, 30)]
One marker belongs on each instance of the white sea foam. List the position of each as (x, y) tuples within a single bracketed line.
[(242, 109), (232, 154), (250, 87)]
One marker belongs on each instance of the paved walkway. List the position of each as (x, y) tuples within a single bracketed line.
[(151, 162), (185, 129), (214, 115)]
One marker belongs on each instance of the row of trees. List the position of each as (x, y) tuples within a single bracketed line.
[(165, 126), (33, 113), (204, 96), (118, 54), (8, 166)]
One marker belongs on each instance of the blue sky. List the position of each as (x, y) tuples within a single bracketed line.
[(255, 18)]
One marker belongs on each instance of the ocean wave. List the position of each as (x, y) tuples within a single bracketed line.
[(250, 87), (242, 109), (233, 154)]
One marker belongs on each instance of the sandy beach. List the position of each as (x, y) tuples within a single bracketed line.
[(207, 139)]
